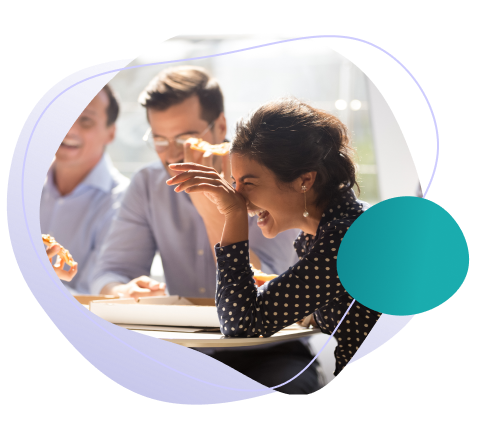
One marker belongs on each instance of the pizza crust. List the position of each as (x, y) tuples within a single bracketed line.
[(203, 146)]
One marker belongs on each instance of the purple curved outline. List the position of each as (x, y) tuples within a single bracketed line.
[(199, 58), (321, 350), (422, 92)]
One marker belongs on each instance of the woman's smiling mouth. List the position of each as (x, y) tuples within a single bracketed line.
[(262, 215), (262, 218)]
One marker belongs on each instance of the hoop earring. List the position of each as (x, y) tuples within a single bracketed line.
[(303, 188)]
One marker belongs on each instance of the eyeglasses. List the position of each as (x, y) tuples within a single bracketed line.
[(160, 144)]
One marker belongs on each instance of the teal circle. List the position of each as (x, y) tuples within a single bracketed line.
[(403, 256)]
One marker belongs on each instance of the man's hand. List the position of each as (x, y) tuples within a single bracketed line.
[(137, 288), (58, 267)]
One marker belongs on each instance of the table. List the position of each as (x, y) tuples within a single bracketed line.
[(216, 339), (195, 338)]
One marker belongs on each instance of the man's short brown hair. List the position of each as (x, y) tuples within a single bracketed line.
[(173, 85)]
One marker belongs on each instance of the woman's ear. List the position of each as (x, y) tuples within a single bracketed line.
[(307, 180)]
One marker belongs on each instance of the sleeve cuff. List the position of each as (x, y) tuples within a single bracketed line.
[(103, 280), (233, 260), (233, 253)]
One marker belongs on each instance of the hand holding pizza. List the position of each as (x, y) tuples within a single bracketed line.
[(55, 249)]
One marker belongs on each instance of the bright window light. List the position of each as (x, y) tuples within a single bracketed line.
[(355, 104), (340, 104)]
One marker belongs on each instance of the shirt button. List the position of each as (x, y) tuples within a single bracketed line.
[(202, 290), (200, 253)]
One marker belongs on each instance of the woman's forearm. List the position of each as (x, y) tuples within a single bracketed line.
[(236, 295), (235, 227)]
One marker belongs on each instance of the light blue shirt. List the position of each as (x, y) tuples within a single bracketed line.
[(153, 218), (80, 220)]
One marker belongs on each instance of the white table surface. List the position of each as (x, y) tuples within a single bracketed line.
[(216, 339)]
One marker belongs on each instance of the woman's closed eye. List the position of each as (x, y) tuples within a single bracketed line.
[(234, 184)]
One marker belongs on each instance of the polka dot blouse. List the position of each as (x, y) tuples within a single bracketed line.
[(311, 286)]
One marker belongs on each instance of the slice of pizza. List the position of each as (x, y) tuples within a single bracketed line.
[(64, 253), (215, 149), (261, 278)]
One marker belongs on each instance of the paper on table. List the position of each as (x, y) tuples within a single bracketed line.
[(166, 328), (165, 300), (175, 311)]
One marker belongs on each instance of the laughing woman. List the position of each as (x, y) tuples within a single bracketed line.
[(292, 165)]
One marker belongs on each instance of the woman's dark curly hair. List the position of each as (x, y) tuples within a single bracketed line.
[(291, 138)]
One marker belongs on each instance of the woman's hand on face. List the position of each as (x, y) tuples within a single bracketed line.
[(199, 178)]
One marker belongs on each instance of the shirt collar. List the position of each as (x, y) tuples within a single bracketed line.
[(343, 205), (100, 177)]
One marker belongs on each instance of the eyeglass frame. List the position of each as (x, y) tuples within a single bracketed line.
[(147, 138)]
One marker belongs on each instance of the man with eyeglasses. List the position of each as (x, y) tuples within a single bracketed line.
[(83, 190), (185, 102)]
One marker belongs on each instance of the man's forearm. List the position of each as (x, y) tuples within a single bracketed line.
[(214, 227)]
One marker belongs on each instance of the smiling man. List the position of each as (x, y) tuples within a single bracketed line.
[(83, 190), (185, 102)]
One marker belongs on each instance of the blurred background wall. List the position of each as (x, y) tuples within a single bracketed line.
[(303, 69)]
